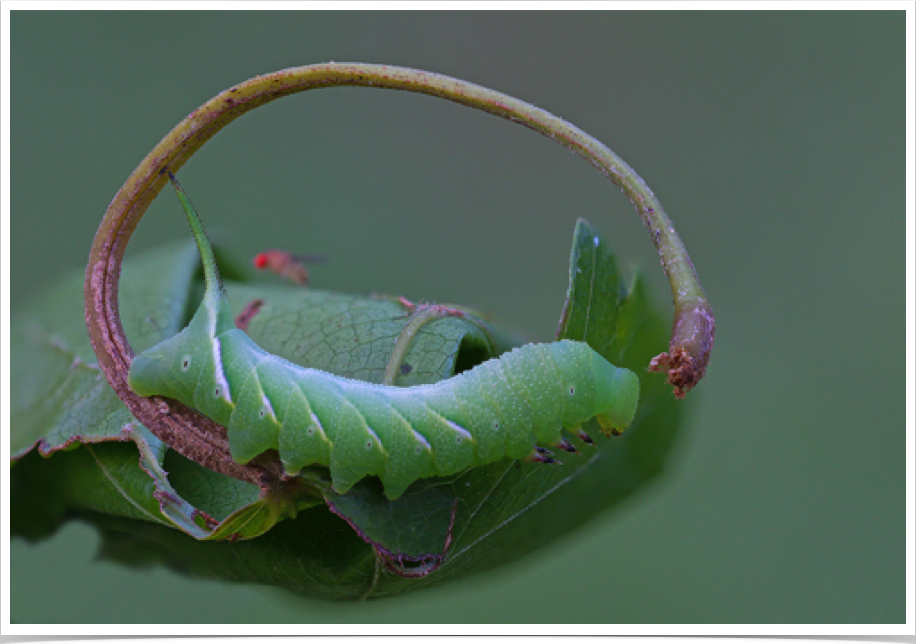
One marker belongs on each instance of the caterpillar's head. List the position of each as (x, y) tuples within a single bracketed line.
[(616, 396), (594, 388)]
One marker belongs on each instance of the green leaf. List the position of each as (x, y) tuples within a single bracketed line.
[(62, 401), (359, 544), (595, 293), (353, 336), (506, 510), (60, 397), (408, 547)]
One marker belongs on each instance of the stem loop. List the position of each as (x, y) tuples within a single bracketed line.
[(202, 440)]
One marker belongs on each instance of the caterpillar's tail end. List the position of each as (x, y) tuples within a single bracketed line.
[(148, 375)]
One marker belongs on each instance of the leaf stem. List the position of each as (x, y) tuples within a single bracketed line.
[(204, 441), (420, 316)]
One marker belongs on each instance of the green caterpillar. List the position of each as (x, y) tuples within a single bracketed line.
[(500, 409)]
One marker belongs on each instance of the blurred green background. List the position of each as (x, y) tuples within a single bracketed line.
[(774, 140)]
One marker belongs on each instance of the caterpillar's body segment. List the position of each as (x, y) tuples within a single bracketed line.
[(501, 408)]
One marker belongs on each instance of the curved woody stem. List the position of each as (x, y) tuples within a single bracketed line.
[(204, 441)]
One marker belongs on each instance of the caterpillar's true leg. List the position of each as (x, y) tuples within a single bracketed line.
[(565, 445), (585, 438), (540, 455)]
